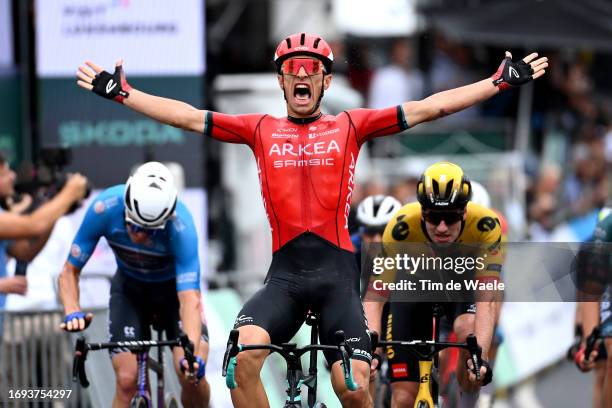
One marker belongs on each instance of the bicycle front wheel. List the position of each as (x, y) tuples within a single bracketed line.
[(139, 402), (423, 404)]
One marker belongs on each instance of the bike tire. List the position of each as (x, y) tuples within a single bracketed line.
[(170, 401), (139, 401)]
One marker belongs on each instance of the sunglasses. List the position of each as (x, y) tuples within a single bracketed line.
[(449, 217), (136, 229), (312, 66)]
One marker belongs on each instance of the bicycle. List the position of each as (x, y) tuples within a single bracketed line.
[(291, 353), (142, 399), (427, 353)]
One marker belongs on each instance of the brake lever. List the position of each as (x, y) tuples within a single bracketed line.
[(78, 364), (475, 354)]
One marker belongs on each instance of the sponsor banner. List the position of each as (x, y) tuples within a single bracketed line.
[(510, 272), (156, 37), (107, 138)]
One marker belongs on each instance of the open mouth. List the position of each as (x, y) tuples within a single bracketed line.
[(302, 93)]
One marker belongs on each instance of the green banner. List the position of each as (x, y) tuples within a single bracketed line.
[(107, 138)]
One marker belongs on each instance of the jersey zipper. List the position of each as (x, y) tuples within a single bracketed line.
[(306, 215)]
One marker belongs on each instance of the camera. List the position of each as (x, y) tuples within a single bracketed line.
[(43, 180)]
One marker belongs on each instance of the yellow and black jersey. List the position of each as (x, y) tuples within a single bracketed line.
[(480, 237)]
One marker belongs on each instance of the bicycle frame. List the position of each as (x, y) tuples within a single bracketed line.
[(427, 354), (141, 349), (291, 353)]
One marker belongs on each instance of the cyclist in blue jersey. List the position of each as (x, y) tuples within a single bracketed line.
[(157, 282)]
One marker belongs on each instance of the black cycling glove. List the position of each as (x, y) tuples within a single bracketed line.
[(113, 86), (511, 74), (488, 377)]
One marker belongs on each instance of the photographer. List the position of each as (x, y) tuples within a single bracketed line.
[(23, 236)]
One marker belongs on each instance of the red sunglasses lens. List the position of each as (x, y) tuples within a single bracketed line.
[(311, 66)]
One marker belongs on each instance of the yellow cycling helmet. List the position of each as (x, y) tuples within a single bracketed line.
[(444, 186)]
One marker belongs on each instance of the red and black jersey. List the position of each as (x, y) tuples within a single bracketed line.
[(307, 170)]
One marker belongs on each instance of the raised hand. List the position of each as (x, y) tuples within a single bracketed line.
[(510, 74), (110, 86)]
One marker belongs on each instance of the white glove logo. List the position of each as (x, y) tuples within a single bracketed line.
[(112, 84), (512, 71)]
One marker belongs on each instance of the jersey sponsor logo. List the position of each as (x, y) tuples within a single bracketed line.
[(353, 340), (362, 353), (302, 152), (399, 370), (326, 133), (263, 197), (308, 149), (187, 277), (75, 251), (244, 319), (110, 86), (304, 163), (285, 135), (129, 331), (99, 207), (424, 378), (512, 72), (349, 194)]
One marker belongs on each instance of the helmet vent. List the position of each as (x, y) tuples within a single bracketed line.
[(435, 187), (449, 188), (155, 185), (302, 38), (128, 198), (288, 41), (316, 43)]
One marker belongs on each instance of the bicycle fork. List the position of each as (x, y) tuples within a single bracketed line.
[(423, 398)]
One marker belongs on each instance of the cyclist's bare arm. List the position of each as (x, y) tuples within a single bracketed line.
[(41, 221), (454, 100), (590, 317), (189, 312), (27, 249), (169, 111), (486, 316), (68, 284), (373, 311)]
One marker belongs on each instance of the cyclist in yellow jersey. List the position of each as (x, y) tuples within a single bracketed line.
[(443, 216)]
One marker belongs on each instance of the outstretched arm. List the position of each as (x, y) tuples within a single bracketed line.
[(509, 74), (169, 111)]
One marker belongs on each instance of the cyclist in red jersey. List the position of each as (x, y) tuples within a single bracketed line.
[(306, 165)]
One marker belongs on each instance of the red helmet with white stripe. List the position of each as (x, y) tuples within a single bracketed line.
[(304, 44)]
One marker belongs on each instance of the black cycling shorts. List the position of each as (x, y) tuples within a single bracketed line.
[(414, 321), (309, 273), (135, 306)]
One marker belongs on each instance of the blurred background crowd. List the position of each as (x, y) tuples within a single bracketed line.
[(543, 152)]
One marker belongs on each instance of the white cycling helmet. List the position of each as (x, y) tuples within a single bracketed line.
[(374, 212), (150, 196), (480, 195)]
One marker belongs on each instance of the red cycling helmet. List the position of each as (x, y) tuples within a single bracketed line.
[(304, 44)]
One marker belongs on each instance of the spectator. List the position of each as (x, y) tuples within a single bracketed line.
[(397, 82)]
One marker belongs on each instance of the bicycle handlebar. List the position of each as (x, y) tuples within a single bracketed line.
[(233, 348), (82, 348), (427, 349)]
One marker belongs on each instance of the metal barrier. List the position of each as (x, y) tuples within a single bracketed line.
[(36, 355)]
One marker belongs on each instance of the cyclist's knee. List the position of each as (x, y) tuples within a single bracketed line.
[(359, 398), (126, 378), (249, 364), (464, 325), (403, 394)]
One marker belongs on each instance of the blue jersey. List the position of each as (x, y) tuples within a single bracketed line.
[(169, 253)]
